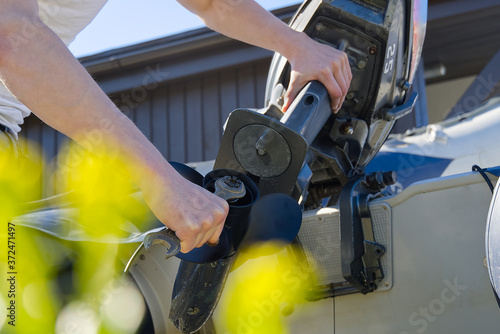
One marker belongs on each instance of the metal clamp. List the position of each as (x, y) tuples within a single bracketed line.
[(360, 252)]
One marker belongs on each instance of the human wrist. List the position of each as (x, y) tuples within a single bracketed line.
[(294, 46), (155, 174)]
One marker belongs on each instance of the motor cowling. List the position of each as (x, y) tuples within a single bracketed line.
[(383, 40)]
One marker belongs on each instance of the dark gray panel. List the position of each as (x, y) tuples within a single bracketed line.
[(125, 103), (194, 121), (160, 120), (49, 151), (246, 87), (463, 42), (187, 65), (228, 93), (49, 147), (261, 70), (62, 140), (176, 124), (143, 117), (441, 9), (212, 128), (32, 131)]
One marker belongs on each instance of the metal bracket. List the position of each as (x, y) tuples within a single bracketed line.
[(360, 252), (263, 147), (400, 111), (273, 152)]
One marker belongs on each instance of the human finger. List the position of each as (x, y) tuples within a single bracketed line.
[(187, 245), (203, 237), (344, 94), (343, 76), (212, 230), (214, 239), (193, 232), (346, 71), (341, 80), (293, 90), (333, 90)]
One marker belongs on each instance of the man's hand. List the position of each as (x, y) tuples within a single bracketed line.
[(315, 61), (196, 215), (246, 21)]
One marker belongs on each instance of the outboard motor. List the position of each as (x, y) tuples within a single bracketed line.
[(314, 156), (383, 40), (322, 159)]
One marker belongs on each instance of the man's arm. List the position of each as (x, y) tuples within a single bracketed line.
[(41, 73), (245, 20)]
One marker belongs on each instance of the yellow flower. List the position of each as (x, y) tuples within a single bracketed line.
[(259, 291)]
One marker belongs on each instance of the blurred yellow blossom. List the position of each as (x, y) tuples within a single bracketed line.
[(264, 288), (56, 280)]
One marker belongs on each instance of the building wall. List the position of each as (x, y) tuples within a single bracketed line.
[(184, 119)]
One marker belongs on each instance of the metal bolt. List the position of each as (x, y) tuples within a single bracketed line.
[(142, 257), (281, 101), (372, 50), (261, 151), (193, 311), (361, 64), (232, 181), (390, 178), (347, 129), (386, 283), (320, 27), (349, 96)]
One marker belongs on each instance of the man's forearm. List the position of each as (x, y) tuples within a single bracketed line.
[(44, 75), (246, 21)]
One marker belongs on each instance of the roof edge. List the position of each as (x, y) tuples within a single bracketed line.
[(165, 47)]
